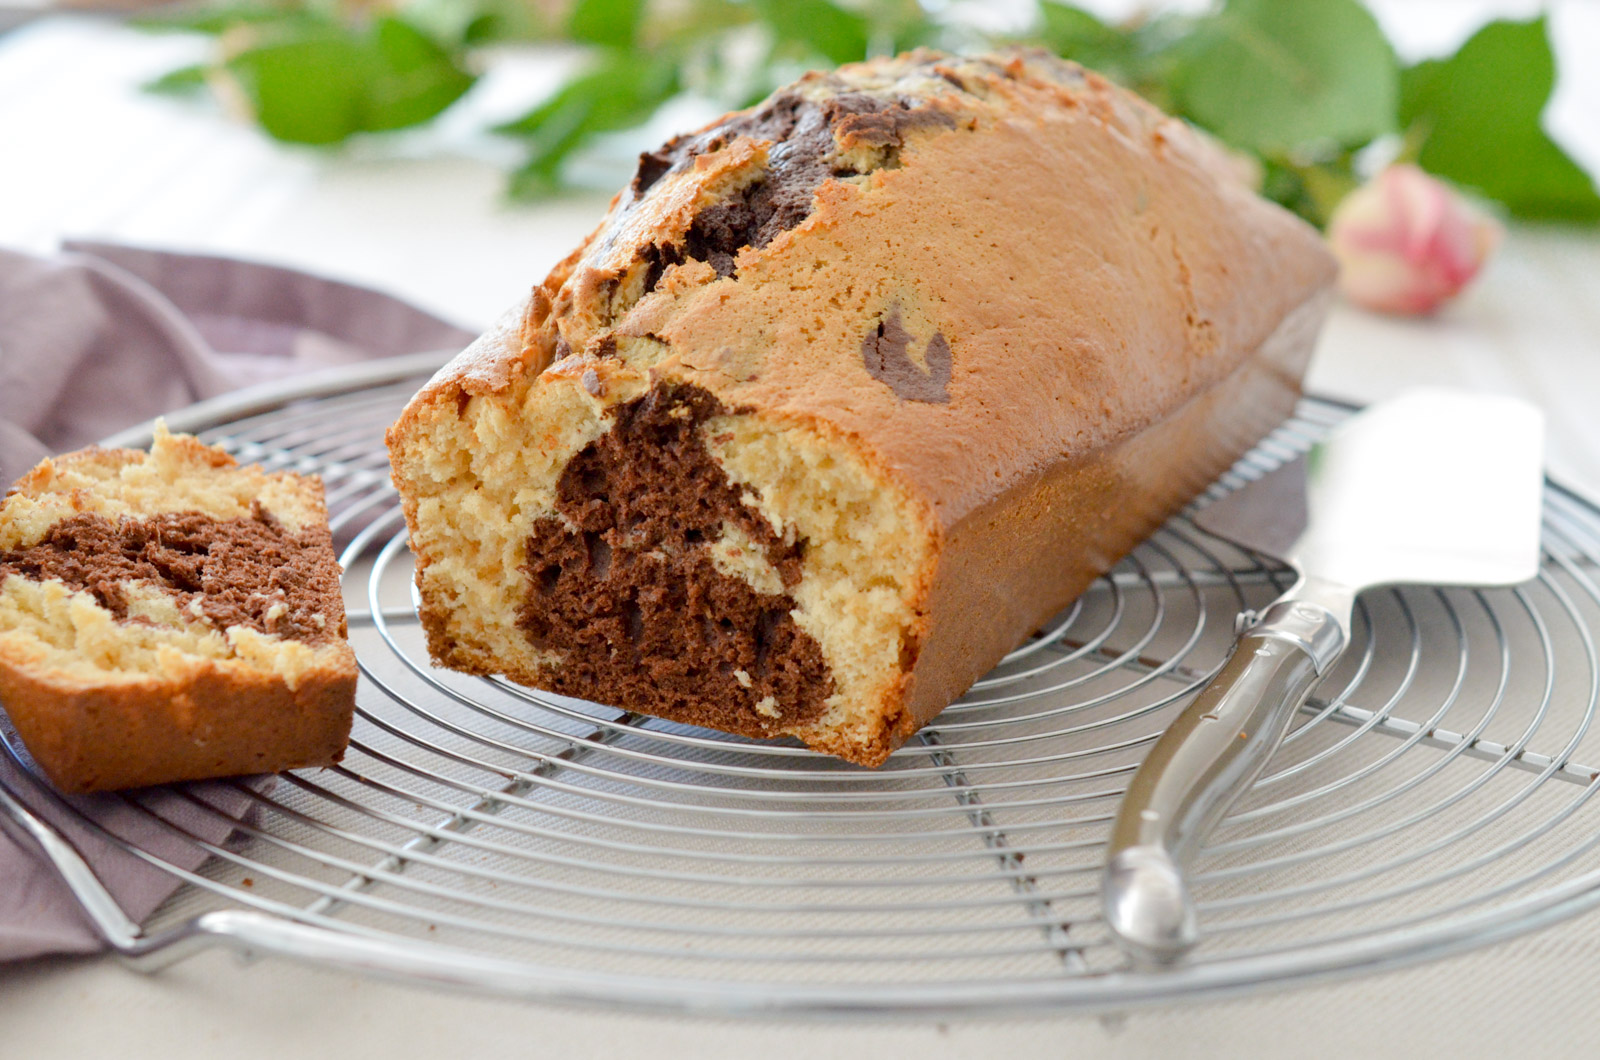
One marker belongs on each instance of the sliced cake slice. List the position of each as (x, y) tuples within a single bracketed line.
[(171, 616)]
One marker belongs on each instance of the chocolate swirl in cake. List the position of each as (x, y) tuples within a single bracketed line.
[(806, 137), (632, 597), (242, 572)]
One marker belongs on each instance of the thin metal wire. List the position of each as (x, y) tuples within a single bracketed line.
[(520, 833)]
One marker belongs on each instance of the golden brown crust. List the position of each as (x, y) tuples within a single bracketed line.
[(208, 724), (1023, 556), (1038, 371)]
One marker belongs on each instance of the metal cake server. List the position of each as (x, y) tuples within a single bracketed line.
[(1432, 487)]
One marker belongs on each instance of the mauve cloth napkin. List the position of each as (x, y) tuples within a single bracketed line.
[(102, 337), (97, 339)]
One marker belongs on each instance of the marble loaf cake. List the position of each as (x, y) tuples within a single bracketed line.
[(170, 616), (848, 393)]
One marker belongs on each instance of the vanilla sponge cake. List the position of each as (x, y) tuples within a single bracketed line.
[(170, 616), (848, 393)]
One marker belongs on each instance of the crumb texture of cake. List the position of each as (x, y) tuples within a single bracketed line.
[(170, 616), (848, 393)]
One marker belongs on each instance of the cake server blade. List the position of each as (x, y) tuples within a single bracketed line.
[(1432, 487)]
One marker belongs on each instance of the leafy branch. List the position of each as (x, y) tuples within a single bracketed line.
[(1308, 90)]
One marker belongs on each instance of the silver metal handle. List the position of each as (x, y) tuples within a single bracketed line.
[(1201, 764), (33, 833)]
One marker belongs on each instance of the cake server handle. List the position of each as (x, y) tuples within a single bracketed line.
[(1205, 760)]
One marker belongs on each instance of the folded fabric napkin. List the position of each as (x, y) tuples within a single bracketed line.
[(39, 916), (101, 337), (95, 340)]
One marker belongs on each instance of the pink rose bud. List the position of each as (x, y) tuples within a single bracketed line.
[(1408, 243)]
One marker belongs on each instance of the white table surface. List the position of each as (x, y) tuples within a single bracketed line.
[(84, 155)]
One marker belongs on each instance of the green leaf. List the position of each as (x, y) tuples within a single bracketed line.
[(1141, 55), (1277, 77), (611, 23), (825, 28), (329, 83), (413, 79), (1075, 34), (623, 90), (1476, 115), (1312, 191), (533, 180), (306, 91), (487, 28), (180, 82)]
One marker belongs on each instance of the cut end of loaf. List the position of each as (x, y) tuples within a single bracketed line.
[(670, 556), (170, 616)]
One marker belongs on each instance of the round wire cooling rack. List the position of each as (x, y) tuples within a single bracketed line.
[(480, 834)]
